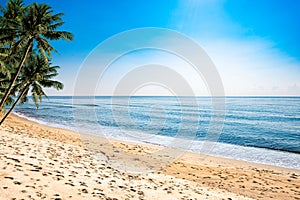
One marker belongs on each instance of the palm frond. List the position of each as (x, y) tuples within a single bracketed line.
[(25, 51)]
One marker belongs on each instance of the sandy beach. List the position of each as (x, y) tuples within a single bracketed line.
[(42, 162), (149, 100)]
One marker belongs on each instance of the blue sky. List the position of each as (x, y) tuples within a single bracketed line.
[(254, 44)]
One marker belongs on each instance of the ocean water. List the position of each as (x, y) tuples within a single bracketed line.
[(258, 129)]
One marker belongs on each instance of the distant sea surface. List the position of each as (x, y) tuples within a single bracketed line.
[(258, 129)]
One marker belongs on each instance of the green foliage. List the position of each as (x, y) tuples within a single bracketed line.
[(25, 51), (36, 75)]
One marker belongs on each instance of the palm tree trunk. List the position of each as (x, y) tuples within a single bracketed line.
[(15, 103), (7, 93)]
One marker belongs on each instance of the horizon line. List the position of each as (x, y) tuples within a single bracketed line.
[(274, 96)]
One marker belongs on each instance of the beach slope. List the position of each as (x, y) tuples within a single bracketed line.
[(42, 162)]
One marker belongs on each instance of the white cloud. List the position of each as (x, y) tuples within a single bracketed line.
[(248, 65), (253, 67)]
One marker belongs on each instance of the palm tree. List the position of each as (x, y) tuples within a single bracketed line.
[(37, 25), (36, 75), (14, 9), (11, 15), (4, 82)]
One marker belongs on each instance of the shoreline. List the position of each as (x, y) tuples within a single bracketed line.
[(88, 136), (225, 177), (241, 149)]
